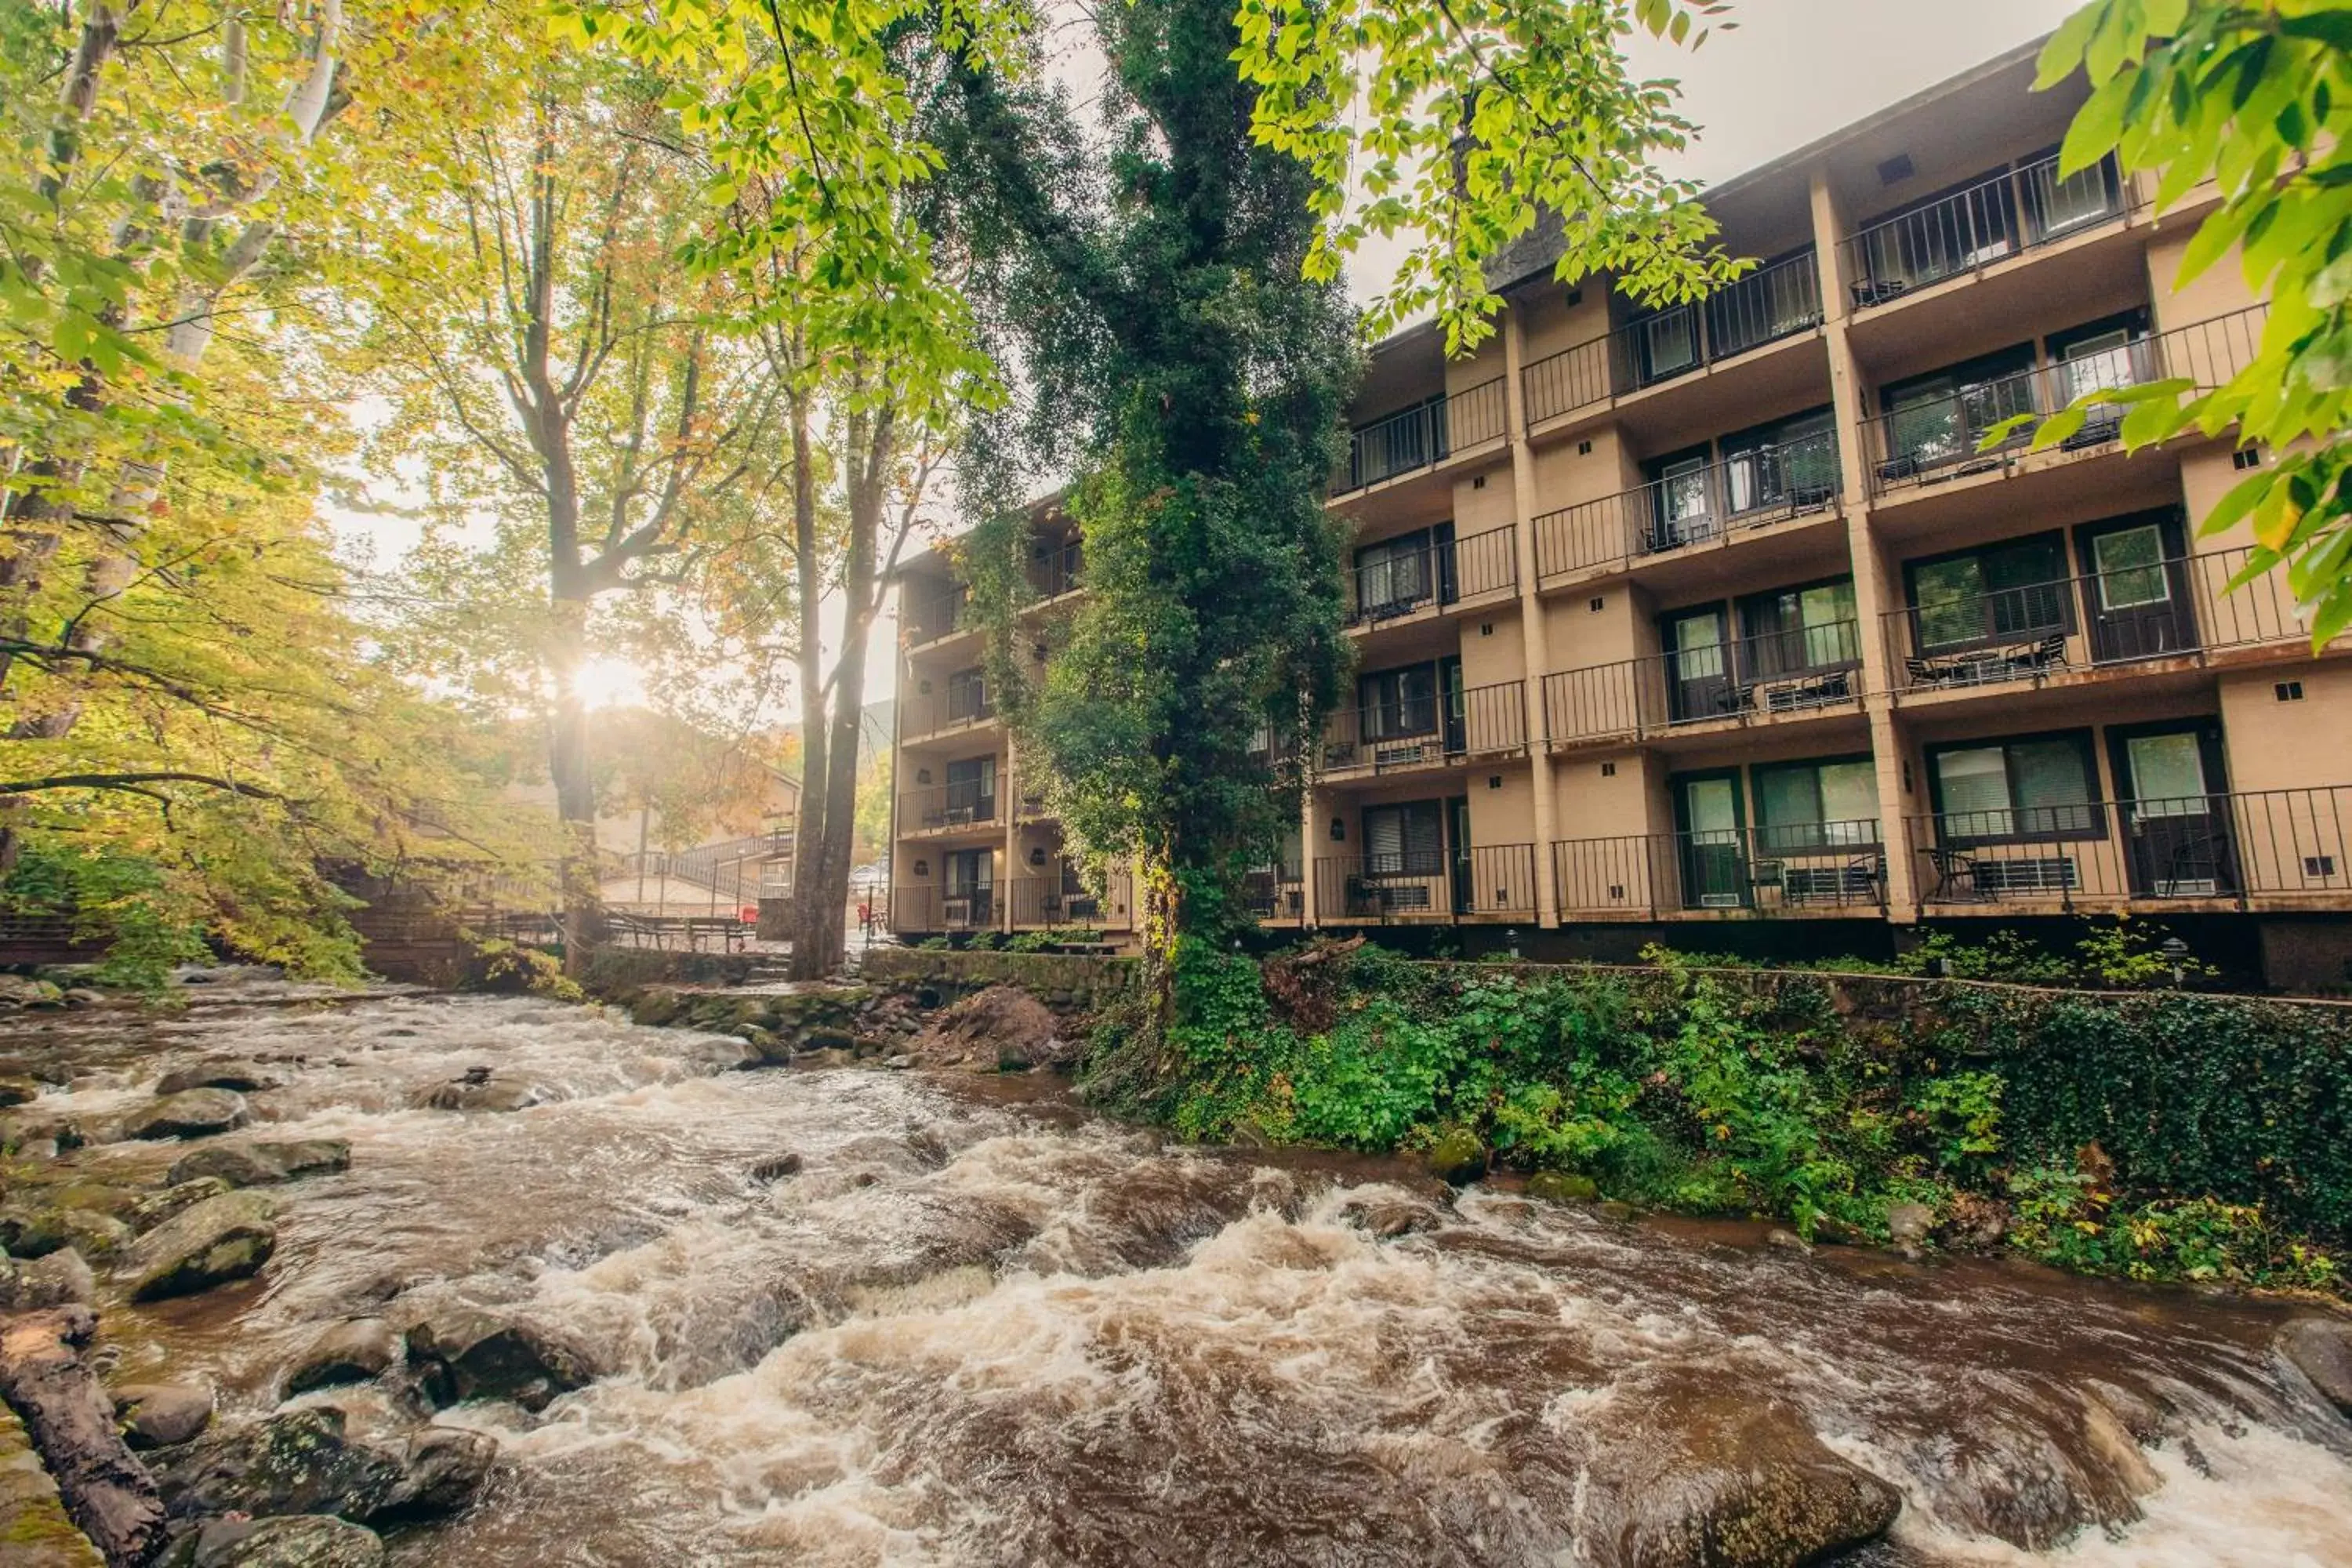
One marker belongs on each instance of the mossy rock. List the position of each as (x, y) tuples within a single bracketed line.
[(1458, 1158), (1563, 1187)]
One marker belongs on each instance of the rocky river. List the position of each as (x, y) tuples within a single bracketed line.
[(576, 1291)]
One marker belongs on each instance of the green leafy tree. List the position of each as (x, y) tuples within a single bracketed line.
[(1465, 125), (2256, 98)]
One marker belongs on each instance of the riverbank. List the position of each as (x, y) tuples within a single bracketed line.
[(832, 1312)]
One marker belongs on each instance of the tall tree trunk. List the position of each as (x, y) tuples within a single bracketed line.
[(567, 767), (812, 959)]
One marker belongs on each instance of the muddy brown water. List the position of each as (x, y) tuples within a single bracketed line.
[(981, 1326)]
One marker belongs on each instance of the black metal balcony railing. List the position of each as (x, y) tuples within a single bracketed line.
[(1481, 721), (1422, 435), (1276, 893), (1784, 674), (1945, 436), (1406, 582), (1416, 884), (2231, 845), (948, 707), (936, 614), (1769, 304), (1054, 571), (1833, 868), (1708, 503), (962, 804), (2163, 607), (1988, 221), (929, 907), (1059, 899)]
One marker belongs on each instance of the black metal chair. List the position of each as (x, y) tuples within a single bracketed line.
[(1953, 869)]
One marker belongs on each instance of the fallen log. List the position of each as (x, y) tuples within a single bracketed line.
[(70, 1419)]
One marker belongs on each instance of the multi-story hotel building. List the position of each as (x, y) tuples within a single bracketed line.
[(1677, 622)]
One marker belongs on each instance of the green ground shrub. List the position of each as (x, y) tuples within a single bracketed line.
[(2154, 1135)]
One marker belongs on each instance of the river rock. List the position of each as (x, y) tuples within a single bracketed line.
[(56, 1280), (298, 1461), (220, 1239), (2321, 1349), (159, 1414), (15, 1091), (48, 1381), (467, 1353), (1458, 1158), (264, 1164), (1003, 1027), (22, 991), (1907, 1225), (447, 1466), (34, 1531), (1387, 1214), (496, 1093), (300, 1541), (193, 1113), (1706, 1478), (30, 1232), (776, 1167), (174, 1200), (217, 1074), (350, 1351), (1562, 1187)]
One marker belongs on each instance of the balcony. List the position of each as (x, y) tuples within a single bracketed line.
[(1422, 437), (948, 808), (2165, 607), (1061, 900), (1795, 674), (1476, 568), (2277, 848), (1808, 869), (1276, 894), (929, 715), (1937, 439), (1494, 881), (937, 615), (1712, 504), (1481, 721), (1766, 305), (927, 907), (1992, 220), (1053, 570)]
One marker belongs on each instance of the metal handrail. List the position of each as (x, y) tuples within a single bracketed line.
[(2036, 629), (960, 804), (1808, 867), (1422, 435), (2227, 846), (1749, 489), (938, 615), (1469, 567), (1990, 220), (1478, 721), (1785, 674)]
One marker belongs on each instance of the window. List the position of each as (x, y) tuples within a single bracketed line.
[(971, 871), (1668, 343), (2130, 566), (2013, 592), (1940, 419), (1398, 702), (1394, 575), (967, 696), (1806, 805), (971, 787), (2042, 787), (1683, 502), (2059, 204), (1404, 840), (1802, 628)]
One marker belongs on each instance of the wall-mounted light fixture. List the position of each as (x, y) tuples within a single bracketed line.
[(1339, 830)]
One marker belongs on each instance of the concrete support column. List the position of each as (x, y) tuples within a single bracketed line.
[(1874, 591), (1524, 511), (1011, 786)]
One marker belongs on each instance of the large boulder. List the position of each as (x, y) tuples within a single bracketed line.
[(194, 1113), (1004, 1028), (35, 1232), (467, 1353), (162, 1415), (350, 1351), (2321, 1349), (220, 1239), (172, 1202), (304, 1461), (264, 1163), (1717, 1477), (23, 991), (482, 1089), (302, 1541), (58, 1278), (15, 1091), (1458, 1158), (217, 1074)]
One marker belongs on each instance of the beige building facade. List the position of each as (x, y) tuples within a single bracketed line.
[(1743, 612)]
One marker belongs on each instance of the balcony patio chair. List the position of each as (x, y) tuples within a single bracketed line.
[(1869, 292), (1956, 876), (1808, 691), (2033, 658)]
